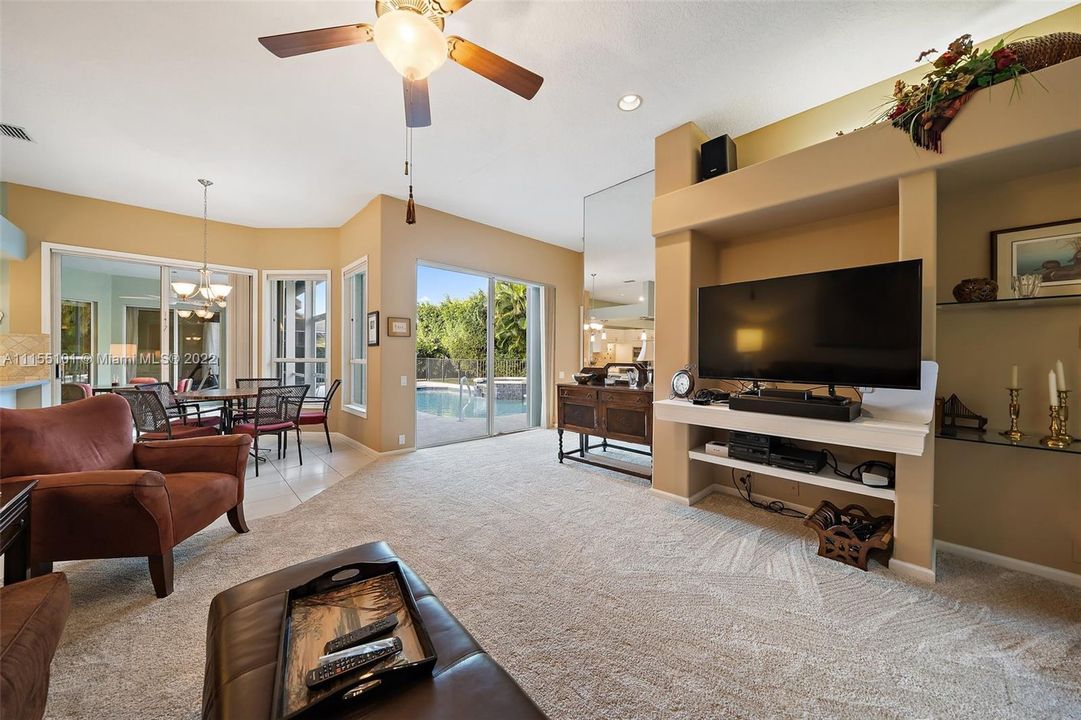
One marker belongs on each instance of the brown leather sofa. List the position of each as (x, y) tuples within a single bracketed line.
[(32, 618), (242, 652), (99, 495)]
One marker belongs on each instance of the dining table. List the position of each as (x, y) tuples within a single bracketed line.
[(227, 396)]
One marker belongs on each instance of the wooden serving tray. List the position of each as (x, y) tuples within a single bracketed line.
[(334, 604)]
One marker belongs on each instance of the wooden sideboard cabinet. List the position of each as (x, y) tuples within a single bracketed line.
[(610, 412)]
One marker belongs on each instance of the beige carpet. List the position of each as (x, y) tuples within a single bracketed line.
[(605, 601)]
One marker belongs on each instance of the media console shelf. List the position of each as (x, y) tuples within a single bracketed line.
[(903, 438), (824, 478)]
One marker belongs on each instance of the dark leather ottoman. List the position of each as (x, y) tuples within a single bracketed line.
[(242, 652), (32, 617)]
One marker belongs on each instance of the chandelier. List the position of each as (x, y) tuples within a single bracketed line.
[(212, 293), (593, 325)]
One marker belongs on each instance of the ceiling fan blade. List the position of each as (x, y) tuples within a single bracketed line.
[(418, 113), (298, 43), (446, 7), (499, 70)]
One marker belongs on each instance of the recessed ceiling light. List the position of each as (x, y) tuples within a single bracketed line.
[(630, 102)]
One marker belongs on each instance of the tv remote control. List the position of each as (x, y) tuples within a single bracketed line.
[(361, 635), (351, 660)]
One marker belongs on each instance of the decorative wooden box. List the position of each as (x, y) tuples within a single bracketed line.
[(848, 534)]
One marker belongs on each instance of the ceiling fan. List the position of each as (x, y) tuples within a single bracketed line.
[(409, 34)]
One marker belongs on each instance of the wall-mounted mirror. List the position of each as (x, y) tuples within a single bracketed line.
[(617, 323)]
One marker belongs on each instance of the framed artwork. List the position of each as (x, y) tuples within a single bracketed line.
[(399, 327), (1051, 250), (373, 328)]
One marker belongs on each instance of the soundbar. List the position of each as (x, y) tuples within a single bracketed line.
[(819, 409)]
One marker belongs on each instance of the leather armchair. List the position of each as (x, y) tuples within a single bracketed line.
[(100, 495)]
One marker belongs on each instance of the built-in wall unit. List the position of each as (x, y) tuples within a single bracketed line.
[(871, 197)]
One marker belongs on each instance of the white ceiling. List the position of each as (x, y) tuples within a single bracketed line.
[(132, 101)]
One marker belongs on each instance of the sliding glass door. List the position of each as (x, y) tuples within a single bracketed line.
[(110, 326), (478, 356)]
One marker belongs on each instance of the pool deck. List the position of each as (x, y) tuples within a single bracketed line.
[(439, 430)]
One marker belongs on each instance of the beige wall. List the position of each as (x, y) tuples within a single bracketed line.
[(377, 231), (981, 492), (359, 238), (857, 109)]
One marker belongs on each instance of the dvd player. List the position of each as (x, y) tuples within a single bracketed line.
[(798, 459)]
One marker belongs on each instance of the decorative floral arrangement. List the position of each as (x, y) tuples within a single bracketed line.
[(924, 110)]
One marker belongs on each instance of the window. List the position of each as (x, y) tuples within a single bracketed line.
[(299, 344), (354, 332)]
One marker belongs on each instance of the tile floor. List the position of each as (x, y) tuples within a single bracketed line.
[(284, 484)]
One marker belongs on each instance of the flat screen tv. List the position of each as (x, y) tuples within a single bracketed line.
[(857, 327)]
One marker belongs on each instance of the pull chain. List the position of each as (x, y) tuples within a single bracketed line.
[(410, 206)]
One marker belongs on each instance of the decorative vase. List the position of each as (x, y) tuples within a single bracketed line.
[(975, 290)]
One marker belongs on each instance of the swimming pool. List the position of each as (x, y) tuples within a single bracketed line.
[(443, 402)]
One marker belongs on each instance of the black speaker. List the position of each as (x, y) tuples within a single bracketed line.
[(718, 157)]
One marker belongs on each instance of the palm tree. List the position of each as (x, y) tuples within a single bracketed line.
[(510, 320)]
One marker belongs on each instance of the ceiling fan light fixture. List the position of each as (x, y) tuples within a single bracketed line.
[(630, 102), (411, 43)]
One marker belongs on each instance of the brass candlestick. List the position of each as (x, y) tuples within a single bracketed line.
[(1054, 438), (1064, 415), (1014, 433)]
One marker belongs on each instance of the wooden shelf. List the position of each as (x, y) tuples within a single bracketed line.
[(887, 435), (1016, 303), (825, 478), (837, 176)]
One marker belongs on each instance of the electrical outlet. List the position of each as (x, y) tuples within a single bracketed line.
[(401, 439), (405, 381)]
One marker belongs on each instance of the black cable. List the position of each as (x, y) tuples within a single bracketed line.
[(856, 474), (773, 506)]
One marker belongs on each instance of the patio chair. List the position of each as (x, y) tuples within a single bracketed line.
[(152, 422), (179, 409), (321, 417), (276, 412)]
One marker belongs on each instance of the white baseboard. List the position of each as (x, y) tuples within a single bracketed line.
[(1050, 573), (912, 571), (356, 445), (672, 496)]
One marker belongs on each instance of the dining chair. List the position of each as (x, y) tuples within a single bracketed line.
[(178, 408), (71, 391), (321, 417), (242, 412), (152, 422), (276, 412)]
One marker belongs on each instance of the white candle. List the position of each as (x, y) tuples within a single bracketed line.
[(1052, 388), (1060, 376), (1013, 376)]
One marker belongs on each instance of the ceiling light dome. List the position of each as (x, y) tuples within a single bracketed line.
[(411, 43)]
